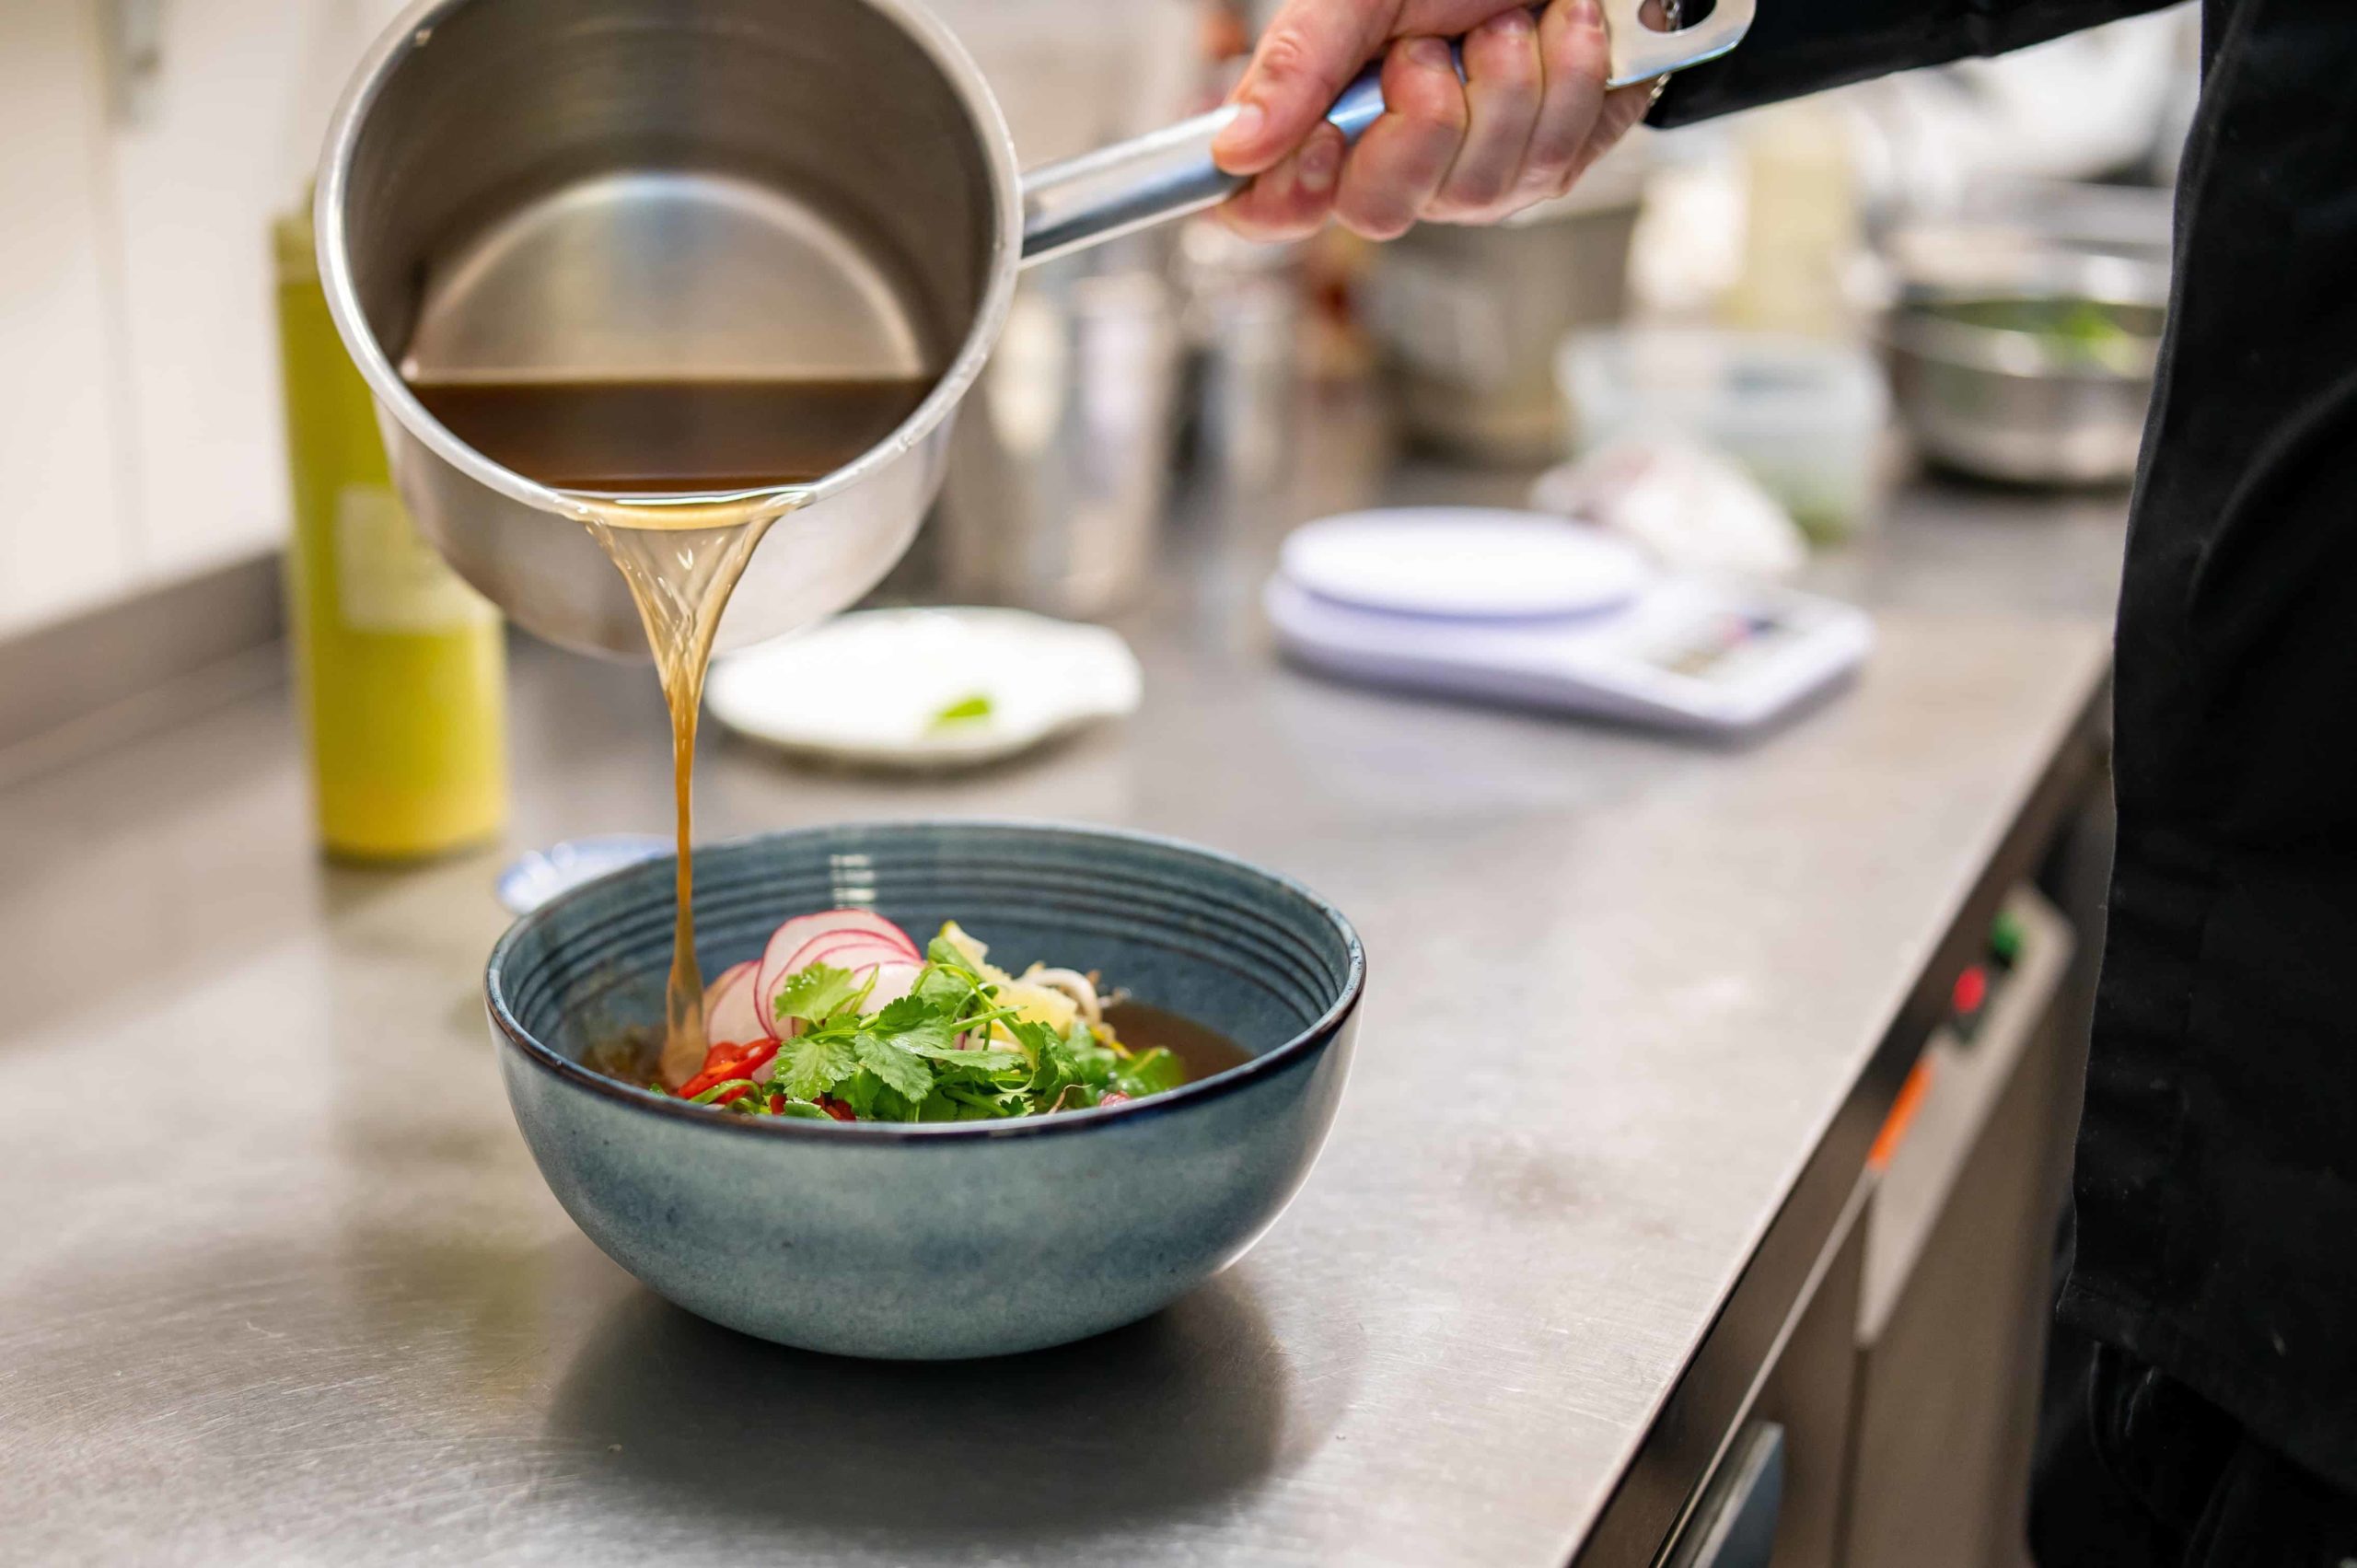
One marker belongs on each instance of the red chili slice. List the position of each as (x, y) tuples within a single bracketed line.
[(739, 1062), (705, 1080), (837, 1108)]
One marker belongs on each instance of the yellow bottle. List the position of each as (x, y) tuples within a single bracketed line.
[(398, 666)]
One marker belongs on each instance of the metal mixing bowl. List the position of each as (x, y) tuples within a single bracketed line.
[(2031, 369)]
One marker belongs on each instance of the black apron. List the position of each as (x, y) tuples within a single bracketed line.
[(2216, 1184)]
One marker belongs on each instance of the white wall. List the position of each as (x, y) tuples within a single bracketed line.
[(66, 524), (195, 176), (140, 433)]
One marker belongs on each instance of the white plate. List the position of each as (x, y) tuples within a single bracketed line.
[(1463, 561), (870, 688)]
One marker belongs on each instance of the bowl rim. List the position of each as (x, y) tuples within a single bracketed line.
[(1320, 1030)]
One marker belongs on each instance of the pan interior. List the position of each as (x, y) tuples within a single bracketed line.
[(672, 190), (670, 274)]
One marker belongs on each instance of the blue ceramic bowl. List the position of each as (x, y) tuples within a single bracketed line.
[(950, 1239)]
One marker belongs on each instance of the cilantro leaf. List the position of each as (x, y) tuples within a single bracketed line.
[(1070, 1070), (873, 1099), (902, 1071), (817, 994), (945, 954), (979, 1057), (1054, 1070), (929, 1030), (914, 1017), (1149, 1072), (810, 1065), (1034, 1038), (1095, 1062), (963, 1101), (940, 989)]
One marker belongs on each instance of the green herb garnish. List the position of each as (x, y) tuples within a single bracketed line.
[(965, 709), (946, 1052)]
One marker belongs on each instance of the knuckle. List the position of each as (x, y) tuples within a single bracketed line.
[(1254, 213), (1266, 229), (1574, 67), (1284, 55), (1543, 175), (1436, 114), (1482, 187), (1240, 219), (1467, 211), (1373, 221), (1502, 60), (1513, 202)]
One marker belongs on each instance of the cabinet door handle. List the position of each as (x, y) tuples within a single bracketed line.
[(1734, 1524)]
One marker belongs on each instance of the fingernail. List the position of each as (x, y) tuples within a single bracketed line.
[(1318, 162), (1431, 55), (1246, 124), (1587, 14), (1516, 23)]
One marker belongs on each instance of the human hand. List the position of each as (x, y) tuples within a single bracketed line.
[(1525, 121)]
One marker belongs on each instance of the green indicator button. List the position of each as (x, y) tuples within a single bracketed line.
[(2005, 939)]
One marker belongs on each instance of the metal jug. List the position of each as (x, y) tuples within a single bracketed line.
[(658, 188)]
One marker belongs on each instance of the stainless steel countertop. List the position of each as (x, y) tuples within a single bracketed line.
[(309, 1301)]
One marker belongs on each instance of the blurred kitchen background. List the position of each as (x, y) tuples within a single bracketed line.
[(1888, 350), (151, 142)]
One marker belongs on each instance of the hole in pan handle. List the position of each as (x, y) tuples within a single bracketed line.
[(1165, 174)]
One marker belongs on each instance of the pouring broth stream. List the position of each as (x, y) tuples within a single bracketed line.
[(678, 481)]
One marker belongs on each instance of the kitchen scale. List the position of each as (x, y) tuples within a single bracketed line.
[(1526, 608)]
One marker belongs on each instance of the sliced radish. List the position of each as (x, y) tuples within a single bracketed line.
[(853, 957), (851, 952), (731, 1014), (794, 934), (892, 983), (802, 930)]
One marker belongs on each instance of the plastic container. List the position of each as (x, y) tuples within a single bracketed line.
[(1803, 416)]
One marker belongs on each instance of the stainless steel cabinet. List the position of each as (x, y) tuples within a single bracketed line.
[(1952, 1317)]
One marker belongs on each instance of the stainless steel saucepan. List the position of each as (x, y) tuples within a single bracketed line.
[(690, 189)]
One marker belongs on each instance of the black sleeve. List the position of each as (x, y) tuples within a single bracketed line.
[(1799, 46)]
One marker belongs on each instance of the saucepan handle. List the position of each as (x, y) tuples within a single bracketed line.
[(1115, 190)]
